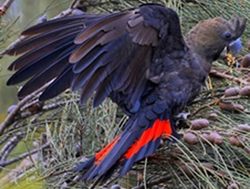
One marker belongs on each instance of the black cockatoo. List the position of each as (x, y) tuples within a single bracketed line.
[(137, 57)]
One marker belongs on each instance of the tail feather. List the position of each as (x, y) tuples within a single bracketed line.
[(101, 155), (145, 151), (159, 128), (131, 146)]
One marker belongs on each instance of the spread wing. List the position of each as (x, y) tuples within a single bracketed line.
[(99, 54)]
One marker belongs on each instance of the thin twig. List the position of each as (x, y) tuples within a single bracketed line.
[(24, 155), (73, 4), (11, 116), (27, 114), (5, 6), (205, 106), (145, 173), (230, 77), (20, 170), (154, 182), (7, 136), (10, 145)]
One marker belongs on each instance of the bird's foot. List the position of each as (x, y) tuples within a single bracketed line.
[(181, 120), (183, 115)]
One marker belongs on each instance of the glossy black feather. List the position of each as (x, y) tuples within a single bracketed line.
[(53, 24), (41, 52), (91, 57), (84, 19), (144, 152), (44, 39), (37, 66), (93, 84), (60, 84), (52, 71)]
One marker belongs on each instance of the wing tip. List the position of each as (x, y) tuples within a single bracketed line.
[(12, 81), (45, 96)]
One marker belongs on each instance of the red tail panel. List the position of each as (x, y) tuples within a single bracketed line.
[(101, 155), (159, 128), (126, 149)]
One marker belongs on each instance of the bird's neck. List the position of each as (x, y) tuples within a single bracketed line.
[(202, 53)]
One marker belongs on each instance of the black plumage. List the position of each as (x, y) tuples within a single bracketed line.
[(138, 57)]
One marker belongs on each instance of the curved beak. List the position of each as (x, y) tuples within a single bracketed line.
[(235, 47), (238, 26)]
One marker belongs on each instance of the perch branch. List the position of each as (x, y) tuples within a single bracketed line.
[(9, 146), (11, 116), (154, 182), (230, 77), (22, 156), (45, 108), (5, 6)]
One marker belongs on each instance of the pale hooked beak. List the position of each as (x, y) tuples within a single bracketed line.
[(235, 47)]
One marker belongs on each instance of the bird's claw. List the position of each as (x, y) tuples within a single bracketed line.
[(183, 115)]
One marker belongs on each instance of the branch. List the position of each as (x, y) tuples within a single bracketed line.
[(11, 116), (22, 156), (5, 6), (154, 182), (80, 4), (226, 76), (10, 145), (29, 113), (6, 137)]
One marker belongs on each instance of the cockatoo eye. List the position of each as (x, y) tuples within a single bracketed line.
[(227, 35)]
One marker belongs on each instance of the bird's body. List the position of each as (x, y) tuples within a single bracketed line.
[(137, 57)]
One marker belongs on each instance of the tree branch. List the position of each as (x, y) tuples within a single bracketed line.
[(226, 76), (154, 182), (11, 116), (5, 6), (24, 155)]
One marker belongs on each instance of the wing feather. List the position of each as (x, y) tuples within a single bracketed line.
[(53, 24), (105, 24), (43, 39), (60, 84), (36, 66), (106, 54), (49, 73), (42, 51)]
